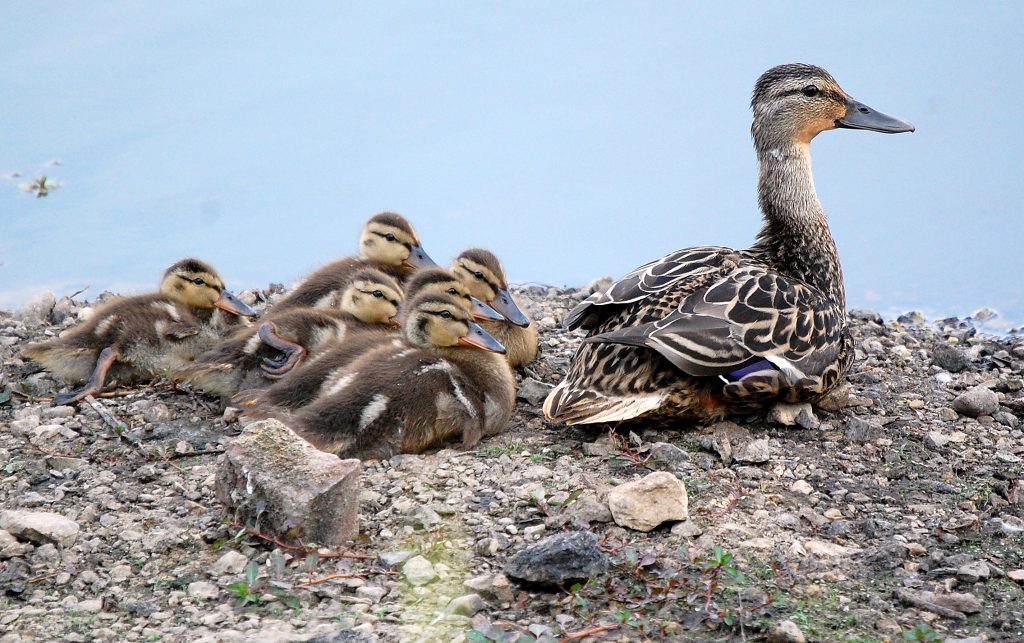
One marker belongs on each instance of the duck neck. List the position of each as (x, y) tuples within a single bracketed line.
[(795, 239)]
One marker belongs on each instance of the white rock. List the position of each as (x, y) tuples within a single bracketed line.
[(802, 486), (648, 502), (39, 526), (418, 571), (231, 562), (202, 589)]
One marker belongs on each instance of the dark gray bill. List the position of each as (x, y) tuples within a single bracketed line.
[(504, 304), (860, 116), (483, 311), (418, 258)]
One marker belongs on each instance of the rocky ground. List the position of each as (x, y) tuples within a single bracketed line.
[(892, 513)]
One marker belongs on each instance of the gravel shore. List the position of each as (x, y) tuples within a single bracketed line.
[(894, 511)]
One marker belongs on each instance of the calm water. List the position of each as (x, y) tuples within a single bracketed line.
[(575, 140)]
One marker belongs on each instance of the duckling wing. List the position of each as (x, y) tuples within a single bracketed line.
[(751, 313), (655, 284)]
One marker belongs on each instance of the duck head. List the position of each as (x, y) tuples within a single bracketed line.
[(442, 281), (389, 239), (481, 271), (794, 103), (438, 320), (373, 298), (196, 283)]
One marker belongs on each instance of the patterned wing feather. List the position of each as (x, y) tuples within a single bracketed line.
[(672, 272)]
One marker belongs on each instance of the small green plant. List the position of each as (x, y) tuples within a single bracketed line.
[(921, 633), (245, 590)]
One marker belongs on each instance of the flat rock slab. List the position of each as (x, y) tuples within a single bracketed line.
[(39, 527), (559, 559), (274, 481), (648, 502)]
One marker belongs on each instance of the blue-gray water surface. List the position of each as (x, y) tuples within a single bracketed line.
[(576, 140)]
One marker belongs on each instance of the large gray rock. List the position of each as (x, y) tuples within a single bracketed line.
[(39, 527), (418, 571), (648, 502), (562, 558), (533, 391), (976, 401), (272, 479), (37, 311)]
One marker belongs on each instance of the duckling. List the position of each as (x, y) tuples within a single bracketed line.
[(388, 243), (141, 337), (250, 358), (436, 385), (303, 385), (709, 331), (485, 276)]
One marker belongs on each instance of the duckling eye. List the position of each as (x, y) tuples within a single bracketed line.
[(378, 294), (446, 314), (199, 281), (390, 237), (452, 291), (478, 275), (811, 91)]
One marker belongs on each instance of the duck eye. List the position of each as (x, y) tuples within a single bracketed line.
[(199, 281), (378, 294), (811, 91), (390, 237), (452, 291), (478, 274), (446, 314)]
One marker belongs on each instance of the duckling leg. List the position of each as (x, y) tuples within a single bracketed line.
[(106, 359), (276, 369)]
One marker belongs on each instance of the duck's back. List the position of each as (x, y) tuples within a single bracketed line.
[(329, 279), (394, 400)]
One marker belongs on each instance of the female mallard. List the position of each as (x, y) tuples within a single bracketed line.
[(709, 331), (435, 385), (483, 273), (251, 357), (143, 337), (302, 386), (388, 243)]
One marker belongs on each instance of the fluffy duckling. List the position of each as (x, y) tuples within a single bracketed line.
[(388, 243), (253, 356), (483, 273), (140, 338), (303, 385), (446, 379)]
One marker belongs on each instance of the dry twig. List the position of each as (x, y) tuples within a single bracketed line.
[(303, 548), (582, 634)]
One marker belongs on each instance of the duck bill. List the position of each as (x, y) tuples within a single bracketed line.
[(483, 312), (233, 304), (860, 116), (418, 258), (394, 323), (504, 304), (480, 338)]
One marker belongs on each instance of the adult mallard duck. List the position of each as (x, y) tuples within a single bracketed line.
[(302, 386), (435, 385), (143, 337), (387, 242), (253, 357), (483, 273), (709, 331)]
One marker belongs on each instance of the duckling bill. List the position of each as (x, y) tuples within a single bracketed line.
[(143, 337)]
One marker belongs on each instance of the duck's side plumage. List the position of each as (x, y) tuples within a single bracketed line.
[(709, 331), (440, 381), (146, 336)]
